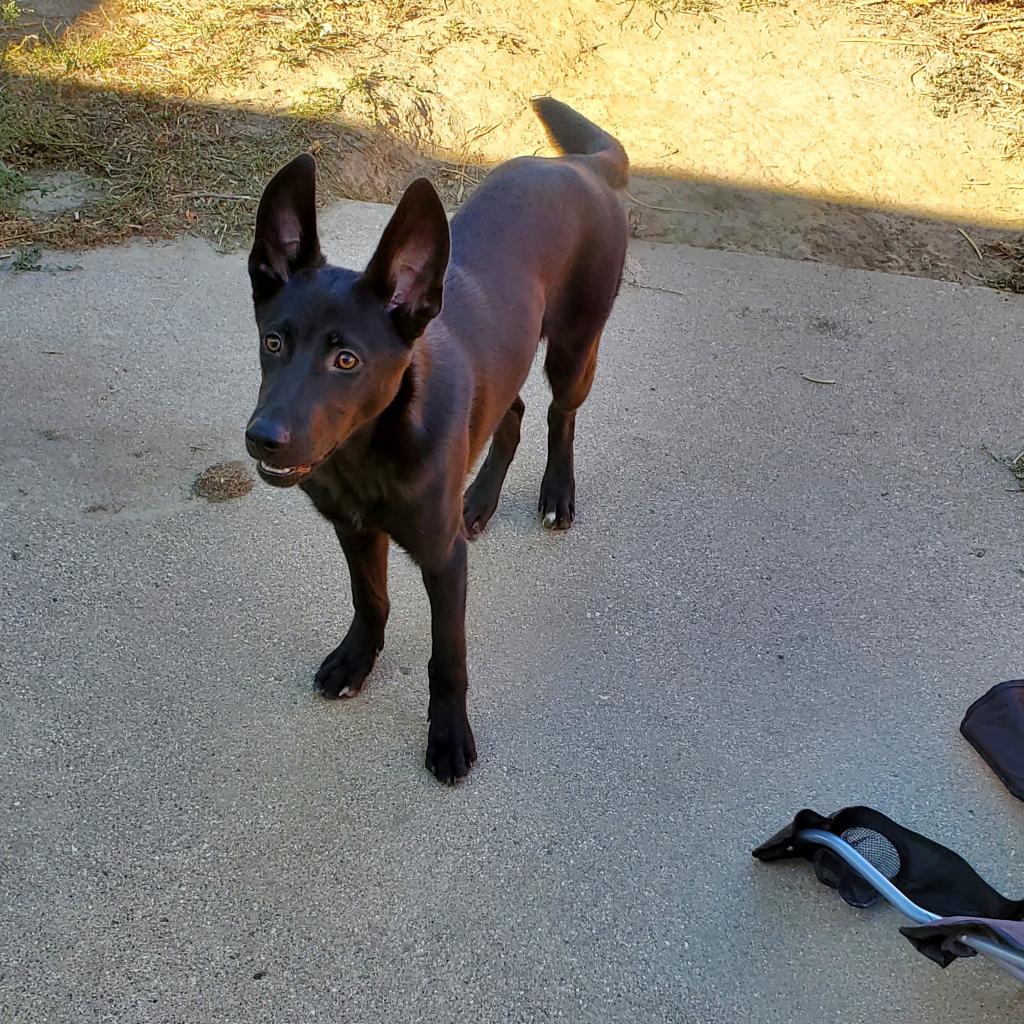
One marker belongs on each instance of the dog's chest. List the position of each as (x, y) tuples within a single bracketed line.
[(358, 500)]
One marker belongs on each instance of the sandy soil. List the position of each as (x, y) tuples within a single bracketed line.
[(760, 129)]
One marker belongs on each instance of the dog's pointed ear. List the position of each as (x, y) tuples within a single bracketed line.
[(407, 270), (286, 238)]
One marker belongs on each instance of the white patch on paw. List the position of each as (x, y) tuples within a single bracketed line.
[(549, 519)]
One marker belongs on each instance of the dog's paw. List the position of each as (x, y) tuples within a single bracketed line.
[(344, 670), (477, 510), (451, 749), (557, 506)]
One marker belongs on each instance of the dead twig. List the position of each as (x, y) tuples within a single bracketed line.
[(658, 288), (994, 26), (1015, 82), (971, 242), (890, 42), (665, 209), (806, 376), (215, 195)]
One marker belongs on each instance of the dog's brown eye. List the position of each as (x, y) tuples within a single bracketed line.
[(346, 360), (272, 343)]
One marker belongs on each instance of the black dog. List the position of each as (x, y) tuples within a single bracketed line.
[(377, 398)]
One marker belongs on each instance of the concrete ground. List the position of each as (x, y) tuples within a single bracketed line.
[(778, 594)]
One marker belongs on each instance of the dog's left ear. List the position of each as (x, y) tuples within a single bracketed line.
[(286, 237), (407, 270)]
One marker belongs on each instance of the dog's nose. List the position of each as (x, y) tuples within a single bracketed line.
[(264, 437)]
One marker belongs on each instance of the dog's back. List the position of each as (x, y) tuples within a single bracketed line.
[(530, 204), (537, 252)]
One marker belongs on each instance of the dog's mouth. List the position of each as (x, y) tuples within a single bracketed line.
[(286, 476), (282, 476)]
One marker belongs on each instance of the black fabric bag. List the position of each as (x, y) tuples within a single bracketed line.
[(933, 876), (994, 726)]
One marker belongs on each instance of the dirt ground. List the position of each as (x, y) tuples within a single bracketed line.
[(795, 129)]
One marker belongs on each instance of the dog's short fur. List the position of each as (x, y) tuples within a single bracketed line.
[(381, 388)]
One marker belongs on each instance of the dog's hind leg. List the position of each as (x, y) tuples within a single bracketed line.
[(573, 324), (482, 496), (345, 669), (570, 365)]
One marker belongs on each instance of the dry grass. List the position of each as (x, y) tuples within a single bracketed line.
[(184, 48), (1009, 260), (971, 54), (666, 8), (149, 103), (12, 184), (166, 166)]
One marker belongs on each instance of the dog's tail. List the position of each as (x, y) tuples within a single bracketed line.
[(572, 134)]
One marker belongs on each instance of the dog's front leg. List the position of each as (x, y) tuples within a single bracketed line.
[(345, 669), (451, 749)]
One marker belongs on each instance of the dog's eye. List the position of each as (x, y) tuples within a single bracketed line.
[(346, 360), (272, 343)]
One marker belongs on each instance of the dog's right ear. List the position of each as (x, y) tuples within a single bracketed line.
[(286, 236), (407, 269)]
